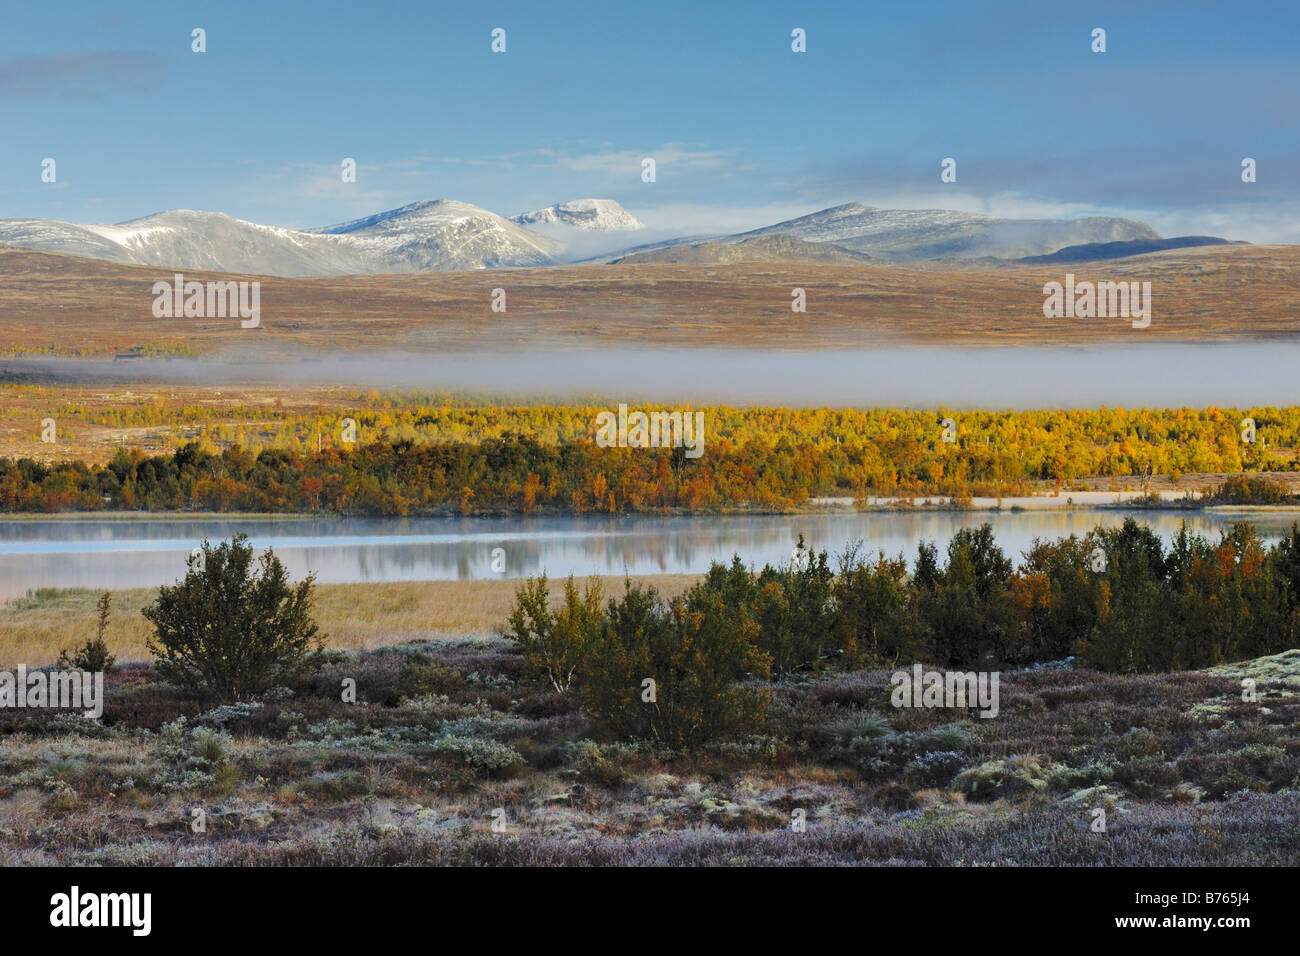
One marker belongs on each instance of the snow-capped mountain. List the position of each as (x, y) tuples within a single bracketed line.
[(604, 215), (421, 237), (443, 235), (937, 233), (768, 248), (188, 239)]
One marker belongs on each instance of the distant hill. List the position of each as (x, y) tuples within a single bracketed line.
[(62, 305), (444, 235), (773, 248), (907, 234), (193, 239), (603, 215), (432, 236), (1096, 251)]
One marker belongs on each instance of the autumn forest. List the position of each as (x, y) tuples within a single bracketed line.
[(413, 455)]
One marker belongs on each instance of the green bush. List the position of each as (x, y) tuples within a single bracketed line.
[(554, 642), (794, 611), (875, 622), (1116, 599), (967, 610), (647, 669), (230, 630), (696, 651)]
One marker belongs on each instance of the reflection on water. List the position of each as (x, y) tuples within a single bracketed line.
[(139, 553)]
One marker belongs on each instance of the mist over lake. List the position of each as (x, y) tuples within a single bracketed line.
[(1169, 375)]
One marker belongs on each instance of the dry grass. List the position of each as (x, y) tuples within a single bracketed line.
[(183, 412), (1212, 293), (35, 629)]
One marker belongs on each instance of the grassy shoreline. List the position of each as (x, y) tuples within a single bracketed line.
[(353, 617)]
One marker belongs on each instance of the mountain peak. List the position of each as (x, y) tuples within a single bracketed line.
[(444, 234), (432, 210), (604, 215)]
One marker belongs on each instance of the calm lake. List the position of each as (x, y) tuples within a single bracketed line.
[(111, 554)]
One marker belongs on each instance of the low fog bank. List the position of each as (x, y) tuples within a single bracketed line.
[(1259, 373)]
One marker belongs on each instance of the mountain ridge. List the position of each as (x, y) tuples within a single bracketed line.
[(443, 235), (602, 215), (903, 234)]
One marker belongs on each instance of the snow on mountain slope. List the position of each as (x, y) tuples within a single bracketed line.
[(603, 215), (187, 238), (421, 237), (50, 235), (771, 248), (935, 233), (444, 234)]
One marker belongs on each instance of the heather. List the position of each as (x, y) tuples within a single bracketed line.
[(446, 739), (749, 719)]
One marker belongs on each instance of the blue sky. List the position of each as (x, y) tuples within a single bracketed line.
[(744, 131)]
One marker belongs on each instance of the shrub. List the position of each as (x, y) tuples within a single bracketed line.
[(229, 630), (694, 649), (92, 656), (483, 755), (876, 621), (967, 608), (1141, 608), (1251, 490), (1014, 776), (608, 766), (554, 642), (934, 768), (793, 611), (1056, 595)]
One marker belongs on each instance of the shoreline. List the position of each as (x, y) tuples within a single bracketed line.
[(1172, 502), (353, 616)]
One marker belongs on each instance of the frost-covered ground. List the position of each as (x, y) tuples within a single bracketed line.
[(450, 757)]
